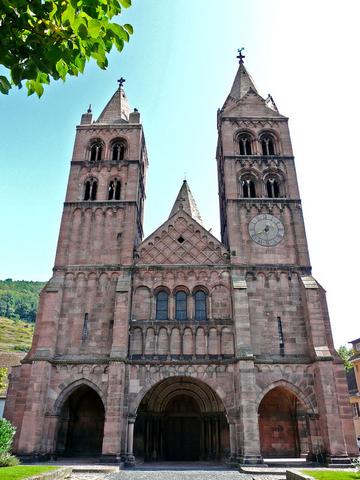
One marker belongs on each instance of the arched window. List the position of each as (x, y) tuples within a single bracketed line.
[(200, 305), (248, 187), (273, 187), (180, 306), (114, 189), (96, 151), (90, 189), (118, 151), (162, 301), (245, 144), (268, 145)]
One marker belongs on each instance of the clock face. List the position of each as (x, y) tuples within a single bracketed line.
[(266, 230)]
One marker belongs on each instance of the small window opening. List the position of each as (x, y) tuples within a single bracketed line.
[(281, 337), (245, 145), (96, 152), (180, 306), (114, 190), (272, 187), (90, 189), (118, 151), (85, 330), (248, 188), (267, 143), (200, 305), (181, 239), (162, 301)]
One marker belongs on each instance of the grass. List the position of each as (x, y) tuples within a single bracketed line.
[(15, 335), (22, 471), (332, 475)]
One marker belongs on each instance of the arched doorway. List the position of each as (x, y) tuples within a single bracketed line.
[(181, 419), (81, 424), (282, 425)]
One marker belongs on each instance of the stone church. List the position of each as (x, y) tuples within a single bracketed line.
[(180, 346)]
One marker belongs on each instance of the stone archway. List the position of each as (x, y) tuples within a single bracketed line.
[(81, 423), (181, 419), (282, 424)]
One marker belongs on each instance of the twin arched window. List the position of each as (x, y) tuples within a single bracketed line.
[(248, 187), (114, 189), (181, 305), (267, 145), (91, 186), (117, 151), (97, 149), (273, 187), (247, 145)]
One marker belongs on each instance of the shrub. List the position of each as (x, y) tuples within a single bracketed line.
[(8, 460), (7, 432)]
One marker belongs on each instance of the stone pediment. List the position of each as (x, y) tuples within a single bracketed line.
[(181, 240)]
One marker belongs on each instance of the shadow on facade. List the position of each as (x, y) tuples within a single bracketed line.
[(181, 419), (81, 424)]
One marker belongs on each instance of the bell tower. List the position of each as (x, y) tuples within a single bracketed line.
[(103, 211), (260, 206), (279, 310)]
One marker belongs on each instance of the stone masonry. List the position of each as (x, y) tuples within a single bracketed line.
[(179, 346)]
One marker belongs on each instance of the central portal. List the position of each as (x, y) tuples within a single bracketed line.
[(181, 419)]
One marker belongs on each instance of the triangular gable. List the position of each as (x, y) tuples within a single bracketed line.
[(251, 104), (181, 240)]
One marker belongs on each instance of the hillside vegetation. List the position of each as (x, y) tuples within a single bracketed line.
[(19, 299), (15, 335)]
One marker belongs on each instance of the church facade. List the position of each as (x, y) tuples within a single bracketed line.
[(179, 346)]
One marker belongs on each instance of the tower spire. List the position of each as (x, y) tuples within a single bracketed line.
[(185, 201)]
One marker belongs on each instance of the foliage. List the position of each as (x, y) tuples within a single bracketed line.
[(8, 460), (24, 471), (44, 39), (15, 336), (19, 299), (3, 378), (345, 354), (7, 432), (331, 475)]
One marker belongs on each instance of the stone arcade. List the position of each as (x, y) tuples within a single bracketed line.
[(179, 346)]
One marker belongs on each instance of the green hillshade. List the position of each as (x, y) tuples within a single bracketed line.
[(23, 471), (15, 335), (332, 475)]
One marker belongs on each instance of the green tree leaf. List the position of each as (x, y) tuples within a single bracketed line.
[(5, 85), (44, 41)]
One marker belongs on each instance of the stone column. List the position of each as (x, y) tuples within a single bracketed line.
[(114, 411), (130, 459), (249, 447), (232, 434), (247, 426)]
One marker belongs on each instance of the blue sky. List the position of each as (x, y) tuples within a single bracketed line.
[(179, 67)]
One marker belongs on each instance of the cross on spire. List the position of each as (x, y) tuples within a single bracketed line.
[(121, 82), (240, 55)]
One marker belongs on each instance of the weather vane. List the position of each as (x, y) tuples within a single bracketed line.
[(121, 82), (241, 56)]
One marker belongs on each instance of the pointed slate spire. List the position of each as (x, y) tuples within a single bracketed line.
[(185, 201), (242, 83), (117, 110)]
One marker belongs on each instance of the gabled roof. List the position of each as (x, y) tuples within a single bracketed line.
[(186, 202), (242, 83), (244, 99), (117, 109), (182, 240)]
